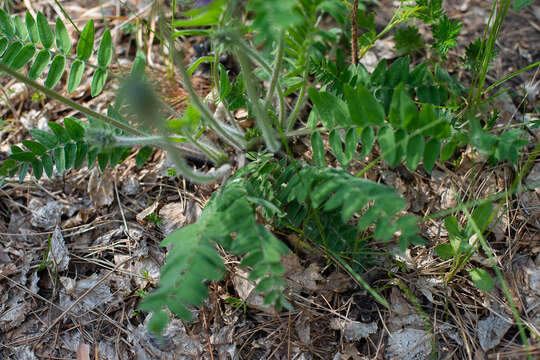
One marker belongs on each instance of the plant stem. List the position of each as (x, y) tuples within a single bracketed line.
[(261, 116), (232, 136), (82, 109), (354, 33)]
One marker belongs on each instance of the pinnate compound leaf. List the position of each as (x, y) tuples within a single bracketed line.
[(63, 41), (40, 63), (481, 279), (55, 71), (86, 41), (45, 32)]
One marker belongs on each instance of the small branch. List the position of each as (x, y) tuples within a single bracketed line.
[(354, 32), (82, 109)]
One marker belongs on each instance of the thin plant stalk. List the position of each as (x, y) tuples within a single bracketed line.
[(67, 101), (264, 123)]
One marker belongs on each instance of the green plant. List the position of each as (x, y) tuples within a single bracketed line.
[(462, 245), (416, 116)]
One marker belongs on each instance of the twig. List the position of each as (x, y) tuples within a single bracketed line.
[(354, 33)]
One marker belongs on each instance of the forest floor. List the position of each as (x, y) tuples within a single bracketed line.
[(104, 230)]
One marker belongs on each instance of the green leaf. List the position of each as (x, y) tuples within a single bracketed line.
[(368, 139), (12, 52), (139, 64), (398, 72), (351, 143), (31, 27), (482, 214), (23, 171), (55, 71), (98, 81), (387, 142), (45, 32), (431, 153), (143, 155), (24, 156), (415, 151), (86, 41), (105, 50), (59, 131), (363, 107), (481, 279), (452, 226), (71, 153), (49, 140), (60, 159), (75, 75), (103, 159), (63, 42), (445, 251), (448, 150), (3, 45), (325, 104), (82, 149), (158, 322), (520, 4), (74, 129), (23, 56), (20, 28), (34, 147), (6, 26), (47, 164), (40, 63), (337, 147), (37, 168), (318, 149), (403, 111)]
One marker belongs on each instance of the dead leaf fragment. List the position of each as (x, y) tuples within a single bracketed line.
[(353, 330), (100, 187), (58, 253), (491, 330), (246, 291)]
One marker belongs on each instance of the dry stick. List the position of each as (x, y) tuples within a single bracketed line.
[(354, 33)]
